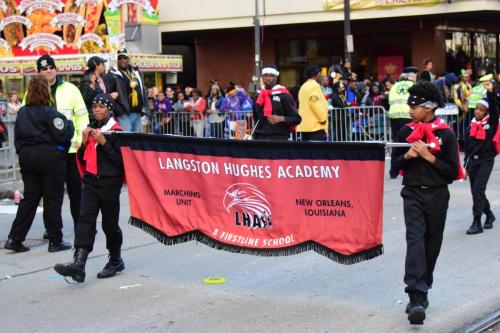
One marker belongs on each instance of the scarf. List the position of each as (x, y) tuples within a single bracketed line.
[(90, 154), (421, 130), (477, 128), (264, 98), (426, 130)]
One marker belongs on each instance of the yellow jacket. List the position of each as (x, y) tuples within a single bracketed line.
[(313, 108)]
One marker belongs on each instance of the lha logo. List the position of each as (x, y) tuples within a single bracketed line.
[(249, 206)]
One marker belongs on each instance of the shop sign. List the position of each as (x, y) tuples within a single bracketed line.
[(15, 19), (377, 4), (148, 63), (67, 18), (31, 5), (87, 2), (145, 4), (10, 67), (89, 38), (68, 66), (42, 39)]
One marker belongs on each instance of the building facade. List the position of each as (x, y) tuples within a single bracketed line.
[(216, 38)]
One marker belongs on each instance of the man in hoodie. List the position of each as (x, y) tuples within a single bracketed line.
[(126, 80)]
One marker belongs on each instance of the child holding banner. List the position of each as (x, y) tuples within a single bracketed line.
[(429, 165), (101, 163), (480, 151)]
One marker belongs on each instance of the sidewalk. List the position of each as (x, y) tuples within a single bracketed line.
[(161, 288)]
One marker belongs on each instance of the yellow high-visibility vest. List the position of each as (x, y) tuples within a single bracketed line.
[(398, 100)]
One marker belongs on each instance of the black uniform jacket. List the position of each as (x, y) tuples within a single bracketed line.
[(482, 150), (418, 172), (109, 157), (42, 125), (283, 105)]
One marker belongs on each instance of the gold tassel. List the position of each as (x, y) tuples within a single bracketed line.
[(134, 98)]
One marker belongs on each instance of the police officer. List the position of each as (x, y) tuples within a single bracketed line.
[(102, 162), (274, 111), (399, 111), (427, 173), (313, 107), (68, 101), (42, 136), (480, 157)]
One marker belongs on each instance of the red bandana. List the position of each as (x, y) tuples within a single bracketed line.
[(426, 130), (477, 128), (265, 98), (90, 154)]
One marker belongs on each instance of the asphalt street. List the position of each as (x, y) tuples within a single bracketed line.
[(162, 289)]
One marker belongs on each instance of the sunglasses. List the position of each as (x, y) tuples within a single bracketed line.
[(46, 68)]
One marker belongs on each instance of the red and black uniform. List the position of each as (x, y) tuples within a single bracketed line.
[(480, 156), (102, 167), (276, 101), (425, 198)]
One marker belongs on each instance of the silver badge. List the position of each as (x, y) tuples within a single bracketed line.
[(58, 123), (43, 63)]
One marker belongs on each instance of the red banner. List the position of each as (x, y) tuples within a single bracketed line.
[(256, 197), (389, 67)]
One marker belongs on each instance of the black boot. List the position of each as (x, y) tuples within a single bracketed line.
[(76, 269), (416, 308), (488, 222), (114, 265), (475, 228)]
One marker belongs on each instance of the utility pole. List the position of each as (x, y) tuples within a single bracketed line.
[(257, 46), (348, 40)]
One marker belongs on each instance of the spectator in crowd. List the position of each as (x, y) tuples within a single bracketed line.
[(164, 109), (70, 103), (337, 71), (352, 96), (215, 116), (42, 137), (198, 106), (13, 107), (275, 112), (232, 107), (313, 108), (445, 87), (461, 93), (102, 165), (427, 74), (170, 94), (184, 118), (92, 83), (326, 89), (340, 116), (375, 97), (126, 81)]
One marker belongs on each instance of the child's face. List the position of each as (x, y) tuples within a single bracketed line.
[(161, 97), (100, 112), (419, 113), (480, 111)]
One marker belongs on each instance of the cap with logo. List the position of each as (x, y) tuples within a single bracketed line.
[(123, 52), (44, 61)]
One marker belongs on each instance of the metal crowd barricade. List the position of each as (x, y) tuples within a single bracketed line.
[(8, 156), (358, 124)]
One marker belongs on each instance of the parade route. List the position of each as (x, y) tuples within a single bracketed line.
[(162, 288)]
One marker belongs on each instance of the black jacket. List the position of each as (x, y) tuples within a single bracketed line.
[(109, 157), (42, 125), (481, 150), (116, 82), (419, 172), (283, 105), (88, 94)]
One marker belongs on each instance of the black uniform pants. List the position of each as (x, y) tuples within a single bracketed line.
[(396, 125), (479, 173), (425, 215), (41, 169), (73, 186), (314, 136), (102, 194)]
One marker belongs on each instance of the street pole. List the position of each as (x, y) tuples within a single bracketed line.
[(347, 29), (257, 46)]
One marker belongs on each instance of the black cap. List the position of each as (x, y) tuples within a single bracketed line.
[(94, 62), (410, 69), (311, 70), (106, 100), (44, 61), (123, 52)]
